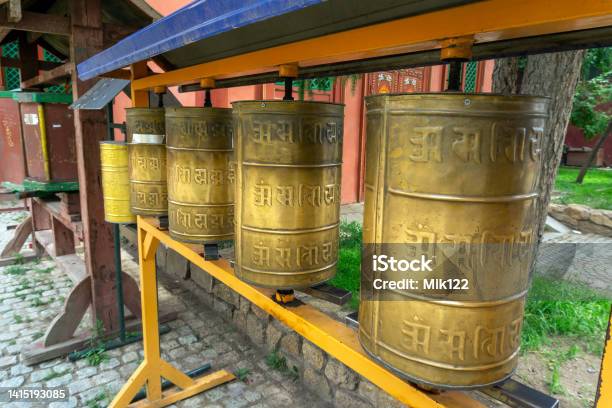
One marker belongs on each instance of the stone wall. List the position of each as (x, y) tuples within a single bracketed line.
[(330, 379), (583, 218)]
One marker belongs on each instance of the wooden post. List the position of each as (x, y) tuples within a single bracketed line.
[(63, 238), (86, 39), (28, 56)]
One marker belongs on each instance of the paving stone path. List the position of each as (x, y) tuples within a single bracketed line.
[(583, 258), (31, 296)]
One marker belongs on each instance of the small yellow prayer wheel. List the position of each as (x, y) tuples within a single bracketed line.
[(115, 185)]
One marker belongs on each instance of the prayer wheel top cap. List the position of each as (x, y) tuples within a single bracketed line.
[(112, 142), (144, 110), (302, 105), (482, 102), (190, 111)]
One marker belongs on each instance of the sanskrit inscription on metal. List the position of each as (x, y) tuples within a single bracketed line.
[(201, 174), (145, 125), (147, 161), (288, 158), (450, 182)]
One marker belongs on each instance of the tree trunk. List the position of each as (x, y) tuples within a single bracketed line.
[(593, 155), (554, 75), (505, 76)]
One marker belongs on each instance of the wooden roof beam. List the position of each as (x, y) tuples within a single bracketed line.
[(143, 6), (16, 63), (3, 33), (37, 22), (49, 77), (14, 10)]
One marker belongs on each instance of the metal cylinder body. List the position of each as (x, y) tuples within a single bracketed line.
[(452, 178), (115, 185), (201, 174), (288, 161), (147, 161)]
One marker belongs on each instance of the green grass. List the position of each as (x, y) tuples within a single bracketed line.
[(595, 191), (349, 261), (558, 308), (54, 374), (96, 402), (278, 362), (45, 270), (242, 374), (38, 302), (16, 270)]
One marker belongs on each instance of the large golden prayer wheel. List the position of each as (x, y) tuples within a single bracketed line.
[(201, 174), (115, 185), (288, 158), (451, 178), (147, 164)]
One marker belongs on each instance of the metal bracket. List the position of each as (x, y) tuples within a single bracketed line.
[(211, 251)]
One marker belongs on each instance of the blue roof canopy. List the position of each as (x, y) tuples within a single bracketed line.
[(208, 30), (197, 21)]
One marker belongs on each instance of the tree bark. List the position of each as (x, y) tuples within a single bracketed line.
[(554, 75), (505, 76), (598, 145)]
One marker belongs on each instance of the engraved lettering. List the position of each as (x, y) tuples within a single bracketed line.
[(263, 194), (284, 195), (427, 144), (307, 255), (261, 255), (283, 257), (467, 145), (489, 341), (261, 132), (456, 343), (415, 337)]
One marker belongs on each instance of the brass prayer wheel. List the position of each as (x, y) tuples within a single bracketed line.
[(288, 161), (451, 178), (201, 174), (147, 161), (115, 185), (145, 125)]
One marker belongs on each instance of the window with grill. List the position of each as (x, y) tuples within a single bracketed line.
[(63, 88), (12, 76), (471, 70)]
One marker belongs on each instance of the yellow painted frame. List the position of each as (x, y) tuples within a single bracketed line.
[(335, 338), (485, 21), (604, 394), (153, 368), (490, 20)]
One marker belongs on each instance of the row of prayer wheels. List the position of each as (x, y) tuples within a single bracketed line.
[(451, 177)]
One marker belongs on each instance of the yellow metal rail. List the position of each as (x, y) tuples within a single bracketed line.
[(605, 377), (150, 372), (485, 21), (335, 338)]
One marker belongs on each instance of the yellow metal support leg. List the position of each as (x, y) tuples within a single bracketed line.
[(604, 394), (325, 332), (153, 368)]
